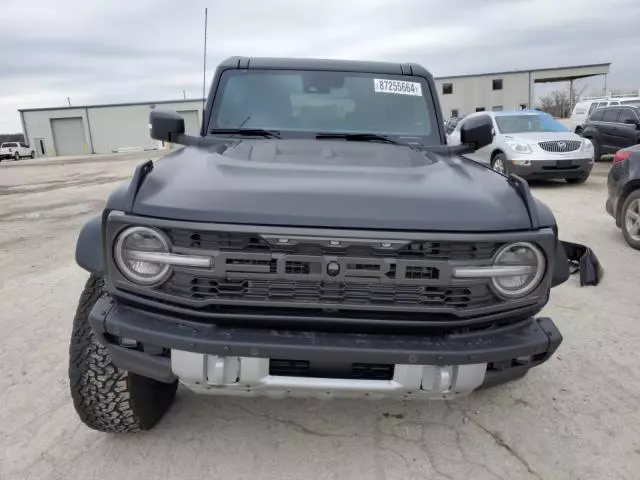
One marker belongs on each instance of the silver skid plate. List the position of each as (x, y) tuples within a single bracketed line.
[(247, 376)]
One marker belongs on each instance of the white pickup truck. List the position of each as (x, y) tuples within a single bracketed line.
[(15, 151)]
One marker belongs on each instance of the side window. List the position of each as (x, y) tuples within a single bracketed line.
[(627, 114), (602, 104), (611, 114), (614, 103), (592, 108), (598, 115)]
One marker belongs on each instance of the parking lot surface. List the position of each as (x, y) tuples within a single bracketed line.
[(576, 417)]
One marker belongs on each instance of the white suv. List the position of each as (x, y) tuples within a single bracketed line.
[(533, 145), (587, 105), (15, 150)]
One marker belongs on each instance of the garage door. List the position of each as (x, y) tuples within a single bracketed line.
[(191, 122), (68, 136)]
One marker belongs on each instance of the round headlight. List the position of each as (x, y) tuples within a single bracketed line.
[(129, 244), (521, 254)]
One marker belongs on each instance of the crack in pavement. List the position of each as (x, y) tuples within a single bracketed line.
[(293, 424), (501, 442)]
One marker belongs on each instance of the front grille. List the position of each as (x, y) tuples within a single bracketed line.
[(560, 146), (253, 243), (329, 273), (326, 293)]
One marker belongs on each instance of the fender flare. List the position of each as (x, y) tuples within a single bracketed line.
[(89, 252)]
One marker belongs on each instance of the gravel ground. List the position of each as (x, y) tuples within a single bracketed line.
[(576, 417)]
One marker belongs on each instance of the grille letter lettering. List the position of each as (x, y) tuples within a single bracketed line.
[(277, 266)]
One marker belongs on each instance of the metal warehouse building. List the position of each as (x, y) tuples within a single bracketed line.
[(120, 127), (100, 128), (464, 94)]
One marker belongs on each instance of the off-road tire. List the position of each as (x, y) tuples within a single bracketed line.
[(16, 157), (107, 398)]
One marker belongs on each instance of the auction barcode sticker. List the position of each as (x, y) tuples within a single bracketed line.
[(399, 87)]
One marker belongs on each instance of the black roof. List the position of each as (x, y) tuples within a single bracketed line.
[(272, 63)]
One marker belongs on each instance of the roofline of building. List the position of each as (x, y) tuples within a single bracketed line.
[(105, 105), (533, 70), (187, 100)]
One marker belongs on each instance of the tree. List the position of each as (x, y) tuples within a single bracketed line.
[(559, 103)]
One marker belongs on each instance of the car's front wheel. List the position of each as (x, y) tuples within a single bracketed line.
[(16, 156), (106, 397), (596, 149), (499, 163), (631, 219), (578, 180)]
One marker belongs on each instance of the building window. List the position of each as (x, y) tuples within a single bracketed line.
[(497, 108), (523, 106), (497, 84), (454, 113), (447, 88), (480, 109)]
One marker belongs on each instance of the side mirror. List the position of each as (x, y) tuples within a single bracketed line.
[(166, 126), (477, 132), (632, 121)]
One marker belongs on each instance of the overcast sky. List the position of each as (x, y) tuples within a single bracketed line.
[(102, 51)]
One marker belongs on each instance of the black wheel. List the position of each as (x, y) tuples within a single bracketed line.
[(499, 163), (596, 149), (16, 156), (578, 130), (578, 180), (107, 398), (32, 155), (630, 216)]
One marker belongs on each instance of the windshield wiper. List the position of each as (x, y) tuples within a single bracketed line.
[(253, 132), (361, 137)]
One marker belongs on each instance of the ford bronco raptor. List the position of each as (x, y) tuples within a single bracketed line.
[(317, 238)]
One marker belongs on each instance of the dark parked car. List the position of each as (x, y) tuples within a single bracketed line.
[(613, 128), (623, 202), (317, 238)]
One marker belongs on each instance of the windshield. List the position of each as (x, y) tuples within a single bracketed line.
[(528, 123), (301, 103)]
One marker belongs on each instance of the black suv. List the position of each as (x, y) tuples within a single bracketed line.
[(317, 238), (613, 128)]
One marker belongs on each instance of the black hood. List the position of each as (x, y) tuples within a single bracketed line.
[(323, 183)]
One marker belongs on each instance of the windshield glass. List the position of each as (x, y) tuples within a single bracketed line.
[(301, 103), (528, 123)]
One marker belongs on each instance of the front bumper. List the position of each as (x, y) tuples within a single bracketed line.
[(242, 361), (552, 169)]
